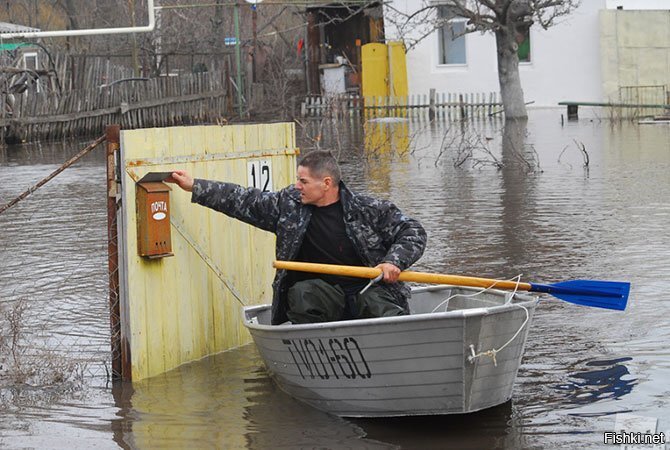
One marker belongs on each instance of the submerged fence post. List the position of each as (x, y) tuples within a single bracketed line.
[(461, 103), (120, 355), (432, 108)]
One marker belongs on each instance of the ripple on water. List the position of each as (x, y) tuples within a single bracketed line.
[(581, 365)]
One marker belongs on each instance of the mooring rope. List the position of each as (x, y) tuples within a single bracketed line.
[(494, 351), (446, 301)]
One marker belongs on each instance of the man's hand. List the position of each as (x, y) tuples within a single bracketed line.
[(390, 272), (182, 179)]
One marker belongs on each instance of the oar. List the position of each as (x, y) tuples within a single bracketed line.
[(598, 294)]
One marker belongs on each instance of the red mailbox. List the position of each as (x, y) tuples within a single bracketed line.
[(153, 219)]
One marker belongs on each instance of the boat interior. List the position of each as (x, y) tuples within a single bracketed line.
[(434, 299)]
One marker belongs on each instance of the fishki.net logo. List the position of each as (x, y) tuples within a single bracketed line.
[(633, 432)]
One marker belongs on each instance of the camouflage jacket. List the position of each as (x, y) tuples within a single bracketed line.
[(377, 228)]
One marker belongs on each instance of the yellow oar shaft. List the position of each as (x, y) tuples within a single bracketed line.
[(417, 277)]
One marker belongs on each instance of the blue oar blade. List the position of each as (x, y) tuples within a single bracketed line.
[(598, 294)]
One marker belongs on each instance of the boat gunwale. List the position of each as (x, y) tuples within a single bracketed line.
[(527, 301)]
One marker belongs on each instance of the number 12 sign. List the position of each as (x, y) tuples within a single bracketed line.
[(259, 174)]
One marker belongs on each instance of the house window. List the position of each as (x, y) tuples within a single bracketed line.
[(30, 61), (523, 40), (451, 36)]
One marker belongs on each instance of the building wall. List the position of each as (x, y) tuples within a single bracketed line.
[(637, 4), (635, 50), (565, 60)]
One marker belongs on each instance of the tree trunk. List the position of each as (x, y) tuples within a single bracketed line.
[(73, 24), (508, 74)]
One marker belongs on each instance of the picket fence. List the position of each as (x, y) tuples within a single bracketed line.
[(435, 105)]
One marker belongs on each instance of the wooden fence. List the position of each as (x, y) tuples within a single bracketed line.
[(165, 101), (436, 105), (68, 96)]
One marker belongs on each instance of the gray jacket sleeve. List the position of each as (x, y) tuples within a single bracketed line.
[(406, 236), (250, 205)]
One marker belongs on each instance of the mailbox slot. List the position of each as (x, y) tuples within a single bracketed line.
[(153, 219)]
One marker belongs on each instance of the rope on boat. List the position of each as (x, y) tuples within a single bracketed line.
[(446, 301), (493, 352), (377, 279)]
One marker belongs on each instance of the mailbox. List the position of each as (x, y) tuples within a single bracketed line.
[(153, 219)]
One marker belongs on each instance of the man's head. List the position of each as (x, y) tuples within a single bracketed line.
[(318, 178)]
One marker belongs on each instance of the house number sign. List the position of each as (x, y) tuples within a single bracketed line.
[(259, 174)]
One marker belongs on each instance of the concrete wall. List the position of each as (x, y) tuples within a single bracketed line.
[(635, 49), (565, 60), (637, 4)]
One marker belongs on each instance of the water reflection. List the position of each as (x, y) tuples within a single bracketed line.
[(228, 401), (224, 401), (589, 386), (552, 223), (519, 235), (496, 427), (385, 142)]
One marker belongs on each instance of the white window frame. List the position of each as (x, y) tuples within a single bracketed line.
[(440, 33), (28, 55), (530, 50), (35, 55)]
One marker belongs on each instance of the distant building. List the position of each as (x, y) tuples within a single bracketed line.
[(13, 28), (20, 55), (335, 33), (605, 50)]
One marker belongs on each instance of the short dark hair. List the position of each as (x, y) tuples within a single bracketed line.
[(322, 163)]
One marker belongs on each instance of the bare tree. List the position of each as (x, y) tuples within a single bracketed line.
[(508, 20)]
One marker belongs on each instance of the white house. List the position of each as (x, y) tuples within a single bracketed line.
[(588, 56)]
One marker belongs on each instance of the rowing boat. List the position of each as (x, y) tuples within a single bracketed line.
[(458, 351)]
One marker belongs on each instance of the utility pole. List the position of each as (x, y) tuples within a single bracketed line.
[(238, 58), (158, 41), (135, 55), (254, 18)]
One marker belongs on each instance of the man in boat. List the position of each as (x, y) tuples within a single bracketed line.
[(319, 220)]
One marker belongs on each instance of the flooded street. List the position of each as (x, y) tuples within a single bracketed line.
[(495, 204)]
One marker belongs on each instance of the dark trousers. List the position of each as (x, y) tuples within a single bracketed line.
[(315, 300)]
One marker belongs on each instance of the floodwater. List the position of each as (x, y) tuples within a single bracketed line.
[(494, 204)]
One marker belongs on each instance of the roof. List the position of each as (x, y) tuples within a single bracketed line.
[(12, 46), (6, 27)]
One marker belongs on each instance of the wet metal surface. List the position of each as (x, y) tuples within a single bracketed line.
[(528, 207)]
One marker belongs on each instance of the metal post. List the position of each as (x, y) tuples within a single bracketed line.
[(254, 19), (432, 108), (238, 58), (134, 50), (89, 32), (120, 352)]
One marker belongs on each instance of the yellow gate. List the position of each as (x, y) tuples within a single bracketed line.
[(384, 70), (183, 302)]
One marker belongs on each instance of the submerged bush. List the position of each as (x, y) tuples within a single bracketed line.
[(28, 371)]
